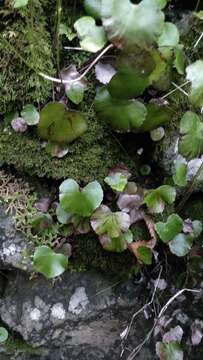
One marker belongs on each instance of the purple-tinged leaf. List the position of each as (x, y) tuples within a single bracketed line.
[(43, 204), (174, 334), (19, 125), (197, 334), (104, 72)]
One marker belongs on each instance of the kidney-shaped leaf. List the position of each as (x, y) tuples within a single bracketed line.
[(124, 115), (74, 90), (19, 3), (191, 129), (167, 231), (195, 75), (3, 334), (117, 181), (92, 37), (111, 224), (170, 35), (180, 177), (129, 24), (117, 244), (78, 201), (156, 199), (49, 263), (30, 114), (59, 125), (181, 244)]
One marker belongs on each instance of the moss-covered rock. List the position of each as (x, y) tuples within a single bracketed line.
[(25, 50), (89, 157)]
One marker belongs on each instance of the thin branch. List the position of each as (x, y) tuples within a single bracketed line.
[(74, 48), (179, 88), (138, 312), (198, 41), (162, 311), (59, 81), (174, 90)]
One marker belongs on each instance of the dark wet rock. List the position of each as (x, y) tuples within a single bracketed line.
[(79, 310), (14, 247), (82, 315)]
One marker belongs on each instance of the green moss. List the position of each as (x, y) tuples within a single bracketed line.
[(13, 345), (25, 49), (88, 253), (89, 157)]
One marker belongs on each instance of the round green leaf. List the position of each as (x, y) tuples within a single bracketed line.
[(118, 244), (59, 125), (93, 8), (41, 222), (111, 224), (156, 199), (30, 114), (191, 129), (62, 216), (116, 181), (83, 202), (179, 61), (92, 37), (129, 24), (156, 115), (124, 115), (167, 231), (3, 334), (144, 254), (19, 3), (180, 177), (197, 228), (181, 244), (170, 35), (49, 263), (195, 75)]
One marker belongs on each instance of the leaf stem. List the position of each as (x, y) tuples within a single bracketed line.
[(58, 21), (47, 77)]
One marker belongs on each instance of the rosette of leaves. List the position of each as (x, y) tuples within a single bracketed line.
[(59, 125), (191, 130), (178, 234), (112, 228), (129, 24), (77, 201), (157, 199)]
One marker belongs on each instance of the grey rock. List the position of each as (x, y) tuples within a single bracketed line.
[(81, 312), (14, 247)]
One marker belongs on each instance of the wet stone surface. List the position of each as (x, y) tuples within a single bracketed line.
[(14, 247)]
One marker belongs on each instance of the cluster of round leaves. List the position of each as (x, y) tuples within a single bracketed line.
[(81, 210), (178, 234)]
